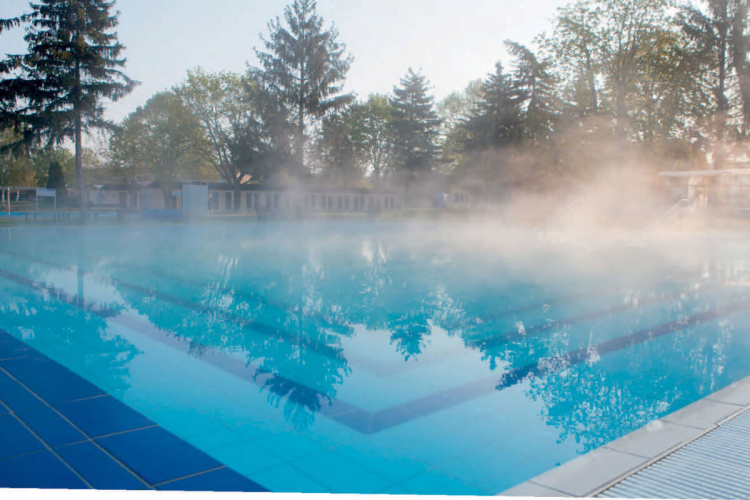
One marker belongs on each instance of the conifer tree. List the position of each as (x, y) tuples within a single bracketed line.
[(416, 124), (56, 90), (497, 119), (305, 66), (56, 179)]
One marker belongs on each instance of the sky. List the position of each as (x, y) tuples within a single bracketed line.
[(451, 41)]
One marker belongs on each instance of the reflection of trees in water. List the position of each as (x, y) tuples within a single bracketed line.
[(80, 337), (288, 345), (597, 401)]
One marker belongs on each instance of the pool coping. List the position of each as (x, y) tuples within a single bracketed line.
[(599, 470)]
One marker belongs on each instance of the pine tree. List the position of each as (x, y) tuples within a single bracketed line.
[(56, 179), (534, 87), (56, 91), (416, 124), (497, 120), (305, 66)]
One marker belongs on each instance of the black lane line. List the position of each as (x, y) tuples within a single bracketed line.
[(330, 407), (262, 328), (537, 330), (471, 390), (372, 366), (369, 423)]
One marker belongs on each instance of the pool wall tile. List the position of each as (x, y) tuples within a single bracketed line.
[(49, 380), (15, 396), (51, 427), (102, 416), (221, 480), (98, 468), (144, 452), (15, 439), (38, 470), (77, 412)]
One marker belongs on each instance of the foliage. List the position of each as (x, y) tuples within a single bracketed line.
[(56, 90), (304, 65), (246, 131), (160, 139), (416, 125)]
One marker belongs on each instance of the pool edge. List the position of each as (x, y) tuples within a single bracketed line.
[(595, 472)]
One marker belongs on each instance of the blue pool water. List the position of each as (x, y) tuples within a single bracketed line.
[(383, 357)]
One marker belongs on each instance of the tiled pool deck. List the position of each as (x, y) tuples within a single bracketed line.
[(59, 431), (616, 465)]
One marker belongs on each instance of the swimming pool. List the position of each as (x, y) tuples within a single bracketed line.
[(383, 357)]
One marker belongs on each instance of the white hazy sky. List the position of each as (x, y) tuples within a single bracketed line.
[(451, 41)]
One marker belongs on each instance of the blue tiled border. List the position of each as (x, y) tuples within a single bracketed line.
[(59, 431)]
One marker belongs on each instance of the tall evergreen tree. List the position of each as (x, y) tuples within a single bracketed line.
[(497, 120), (534, 86), (304, 65), (56, 91), (416, 124), (56, 179)]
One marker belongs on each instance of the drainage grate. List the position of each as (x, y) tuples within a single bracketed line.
[(716, 465)]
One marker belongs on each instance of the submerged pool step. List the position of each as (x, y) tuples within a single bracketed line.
[(716, 465)]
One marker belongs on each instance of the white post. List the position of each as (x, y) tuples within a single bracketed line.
[(36, 192)]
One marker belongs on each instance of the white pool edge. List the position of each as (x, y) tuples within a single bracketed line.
[(599, 470)]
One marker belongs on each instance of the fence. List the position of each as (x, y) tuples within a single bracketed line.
[(27, 200)]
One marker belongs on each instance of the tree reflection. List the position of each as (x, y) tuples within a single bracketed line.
[(69, 325)]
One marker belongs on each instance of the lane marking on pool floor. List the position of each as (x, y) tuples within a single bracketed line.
[(368, 422)]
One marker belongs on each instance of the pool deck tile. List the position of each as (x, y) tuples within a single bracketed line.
[(702, 414), (654, 439), (15, 439), (585, 474), (144, 451), (103, 416), (38, 470), (531, 489), (221, 480), (100, 470), (736, 394), (51, 427)]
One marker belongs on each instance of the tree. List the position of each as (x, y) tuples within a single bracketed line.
[(336, 150), (373, 135), (603, 49), (247, 134), (56, 179), (56, 90), (534, 86), (160, 139), (417, 126), (304, 65), (496, 121), (454, 111), (719, 44)]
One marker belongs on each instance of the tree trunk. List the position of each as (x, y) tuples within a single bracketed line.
[(79, 167)]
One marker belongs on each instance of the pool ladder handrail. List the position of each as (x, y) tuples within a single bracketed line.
[(672, 212)]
